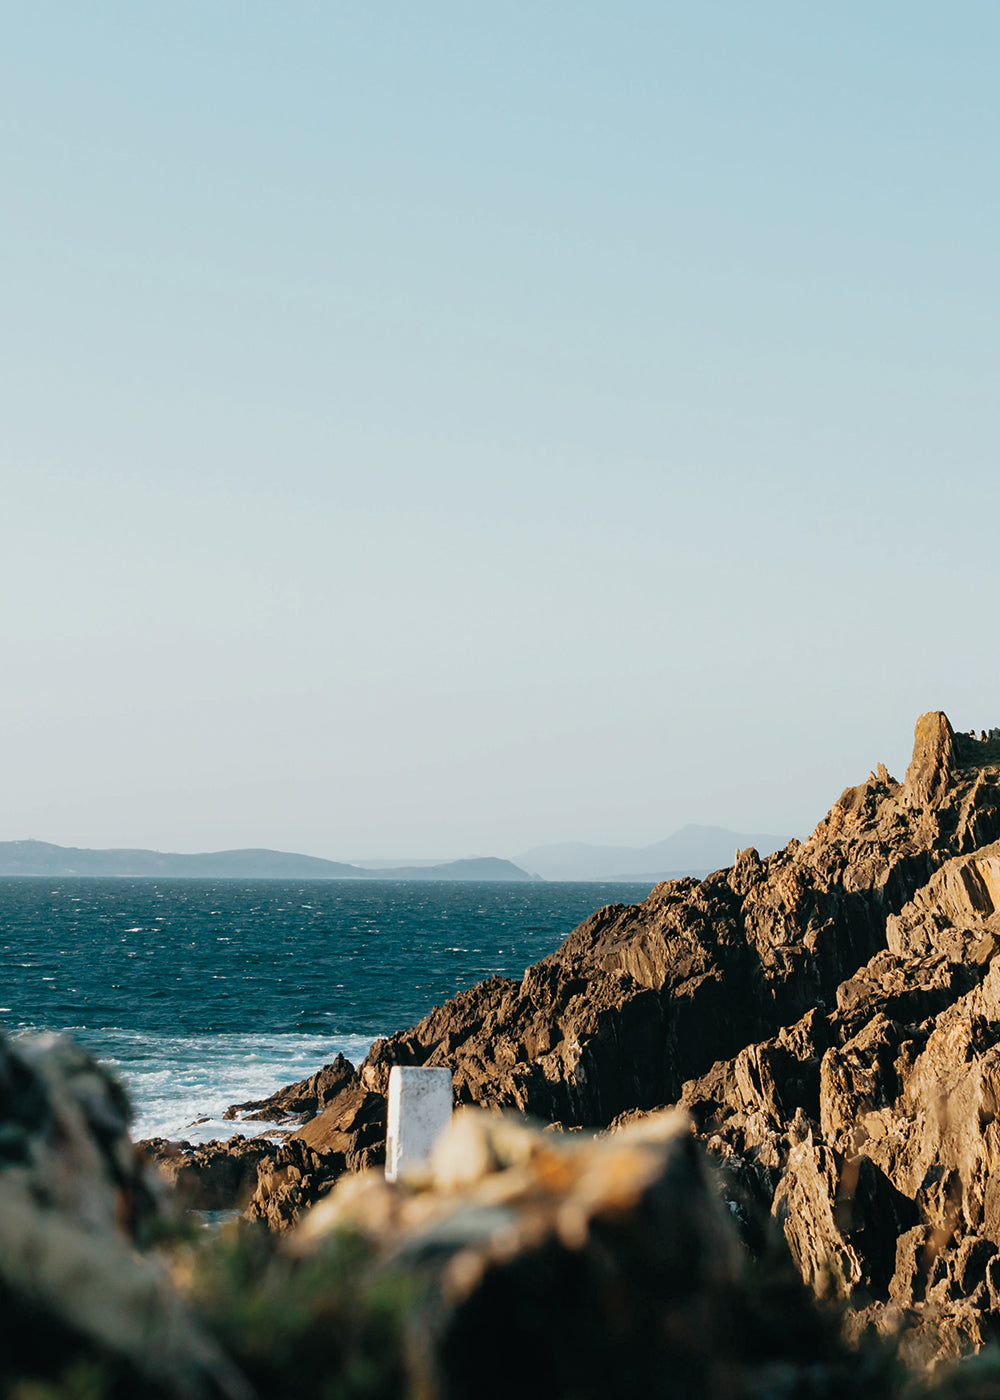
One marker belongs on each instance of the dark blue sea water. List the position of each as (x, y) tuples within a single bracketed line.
[(202, 993)]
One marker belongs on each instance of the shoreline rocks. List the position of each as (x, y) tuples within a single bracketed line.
[(209, 1176), (301, 1101)]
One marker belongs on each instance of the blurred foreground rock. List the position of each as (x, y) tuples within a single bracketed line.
[(559, 1265), (526, 1261), (75, 1200)]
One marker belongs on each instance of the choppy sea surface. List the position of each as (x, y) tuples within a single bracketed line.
[(203, 993)]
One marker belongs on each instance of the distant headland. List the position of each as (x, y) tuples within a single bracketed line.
[(42, 858)]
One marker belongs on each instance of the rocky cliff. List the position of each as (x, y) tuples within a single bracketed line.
[(638, 1000), (829, 1015)]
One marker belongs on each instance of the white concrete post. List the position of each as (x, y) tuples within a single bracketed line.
[(419, 1108)]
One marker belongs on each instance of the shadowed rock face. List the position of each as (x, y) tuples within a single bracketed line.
[(212, 1176), (869, 1132), (869, 1135)]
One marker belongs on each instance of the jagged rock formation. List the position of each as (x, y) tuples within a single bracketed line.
[(298, 1102), (829, 1015), (868, 1131), (290, 1178), (639, 999), (871, 1134)]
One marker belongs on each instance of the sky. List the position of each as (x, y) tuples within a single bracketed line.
[(443, 429)]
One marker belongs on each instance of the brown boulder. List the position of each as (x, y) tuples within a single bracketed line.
[(347, 1136), (353, 1124), (290, 1179), (957, 913), (211, 1175)]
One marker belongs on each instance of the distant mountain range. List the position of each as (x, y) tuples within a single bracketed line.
[(693, 850), (41, 858)]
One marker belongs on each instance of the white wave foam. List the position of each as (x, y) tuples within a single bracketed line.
[(180, 1086)]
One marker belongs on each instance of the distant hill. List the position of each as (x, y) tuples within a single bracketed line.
[(41, 858), (481, 868), (693, 850)]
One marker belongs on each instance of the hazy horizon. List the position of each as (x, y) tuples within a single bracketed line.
[(453, 429), (774, 841)]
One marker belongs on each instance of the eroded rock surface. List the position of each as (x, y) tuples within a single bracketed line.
[(869, 1131), (348, 1136)]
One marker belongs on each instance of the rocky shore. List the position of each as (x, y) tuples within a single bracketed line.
[(524, 1261), (770, 1165)]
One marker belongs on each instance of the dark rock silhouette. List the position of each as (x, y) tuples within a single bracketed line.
[(298, 1102)]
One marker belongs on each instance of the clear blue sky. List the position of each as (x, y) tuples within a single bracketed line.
[(440, 429)]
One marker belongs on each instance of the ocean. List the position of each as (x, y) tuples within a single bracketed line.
[(202, 993)]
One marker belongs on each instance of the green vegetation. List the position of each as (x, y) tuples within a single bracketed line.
[(324, 1325)]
